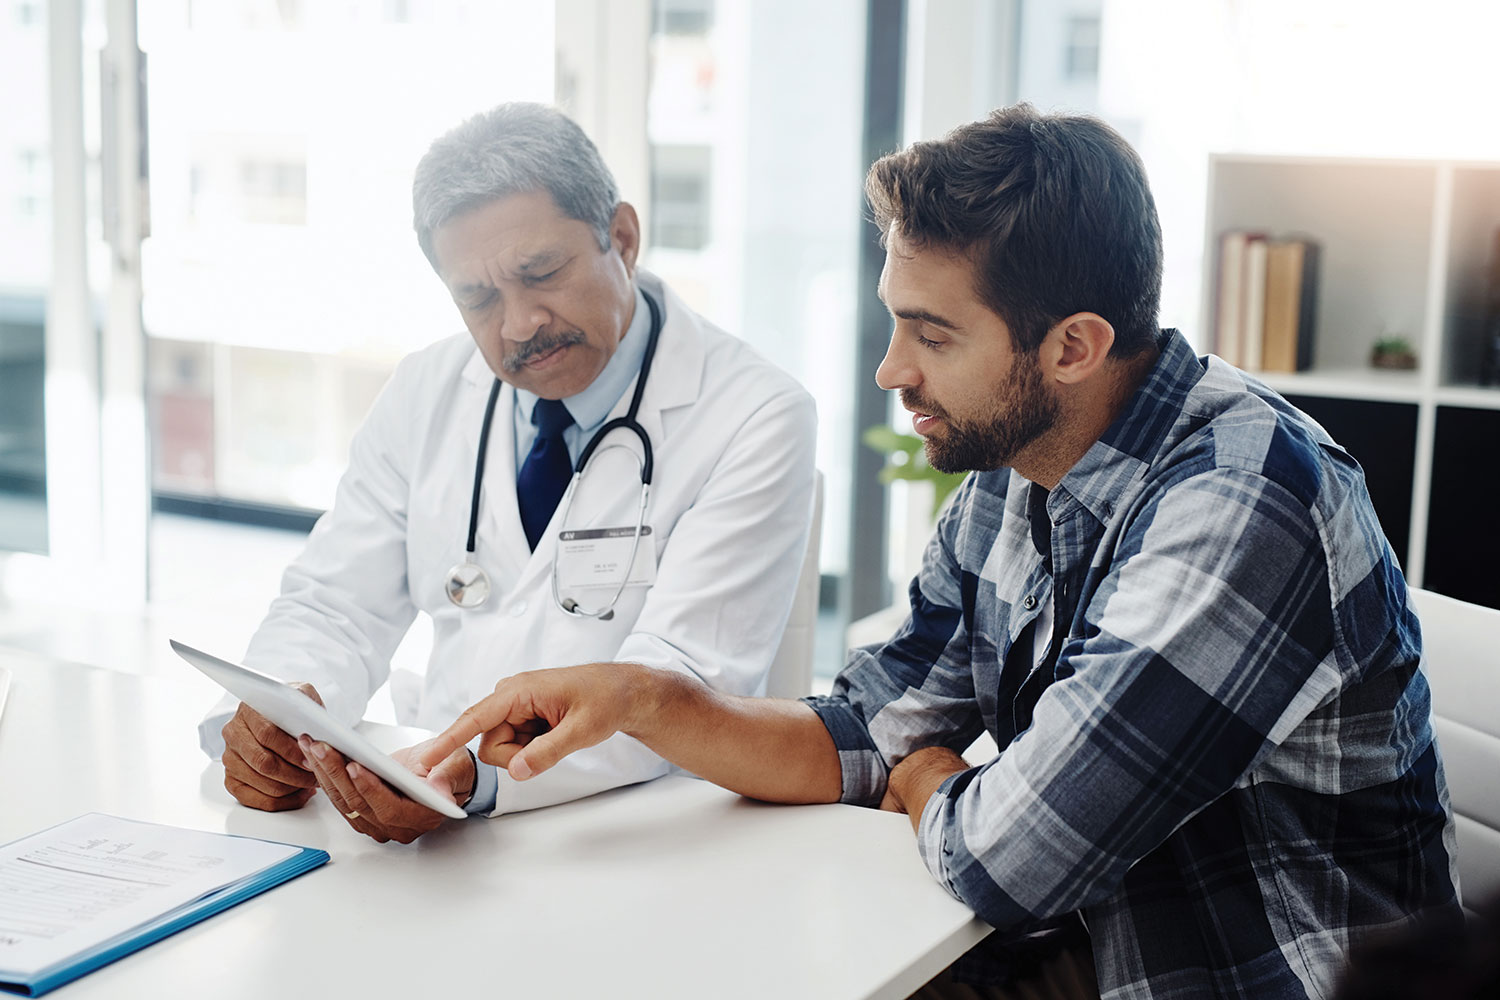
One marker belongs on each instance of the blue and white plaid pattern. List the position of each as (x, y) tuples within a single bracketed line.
[(1230, 772)]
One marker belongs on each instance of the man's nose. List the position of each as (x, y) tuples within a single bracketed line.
[(522, 318), (895, 370)]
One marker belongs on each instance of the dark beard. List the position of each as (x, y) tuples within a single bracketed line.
[(1024, 411)]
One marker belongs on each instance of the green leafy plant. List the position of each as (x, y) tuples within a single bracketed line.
[(906, 458), (1393, 345)]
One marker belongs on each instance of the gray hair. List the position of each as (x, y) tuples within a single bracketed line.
[(511, 149)]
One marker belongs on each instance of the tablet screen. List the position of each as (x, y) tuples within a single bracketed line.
[(296, 713)]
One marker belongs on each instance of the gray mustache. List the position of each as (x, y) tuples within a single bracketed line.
[(537, 346)]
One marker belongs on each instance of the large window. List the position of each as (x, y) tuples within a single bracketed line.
[(25, 183), (754, 120), (282, 282)]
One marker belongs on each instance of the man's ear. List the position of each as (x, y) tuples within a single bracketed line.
[(1075, 348), (625, 235)]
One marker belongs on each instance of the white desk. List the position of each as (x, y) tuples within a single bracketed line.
[(670, 889)]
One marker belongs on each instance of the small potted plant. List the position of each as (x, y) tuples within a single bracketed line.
[(906, 458), (1394, 353)]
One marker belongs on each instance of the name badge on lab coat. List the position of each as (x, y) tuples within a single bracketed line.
[(596, 557)]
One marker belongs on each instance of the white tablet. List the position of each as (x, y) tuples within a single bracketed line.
[(296, 713)]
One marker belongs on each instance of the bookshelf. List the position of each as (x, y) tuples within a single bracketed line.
[(1406, 248)]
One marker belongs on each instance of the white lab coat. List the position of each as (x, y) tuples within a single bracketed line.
[(730, 506)]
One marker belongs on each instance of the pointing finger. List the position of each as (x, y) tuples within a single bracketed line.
[(480, 717)]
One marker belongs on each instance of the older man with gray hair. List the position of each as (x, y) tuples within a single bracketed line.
[(500, 485)]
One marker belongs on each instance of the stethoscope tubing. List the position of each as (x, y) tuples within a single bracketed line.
[(628, 422), (484, 448)]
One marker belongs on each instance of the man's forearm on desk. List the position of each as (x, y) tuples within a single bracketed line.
[(765, 748), (768, 749)]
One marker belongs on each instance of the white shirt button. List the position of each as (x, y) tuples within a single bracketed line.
[(518, 609)]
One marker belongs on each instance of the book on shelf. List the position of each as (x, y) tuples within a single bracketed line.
[(1229, 338), (1253, 309), (1267, 298), (1290, 305), (1489, 358)]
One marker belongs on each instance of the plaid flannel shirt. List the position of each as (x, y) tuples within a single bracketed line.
[(1228, 770)]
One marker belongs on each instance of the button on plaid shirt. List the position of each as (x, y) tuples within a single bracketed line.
[(1229, 769)]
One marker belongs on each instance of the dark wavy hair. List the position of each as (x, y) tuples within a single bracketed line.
[(1053, 210)]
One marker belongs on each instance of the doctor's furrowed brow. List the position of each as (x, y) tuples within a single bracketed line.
[(526, 269), (542, 262)]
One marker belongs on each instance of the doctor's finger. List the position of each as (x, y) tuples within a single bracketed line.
[(336, 784), (259, 740), (254, 757), (253, 797), (391, 815), (237, 767)]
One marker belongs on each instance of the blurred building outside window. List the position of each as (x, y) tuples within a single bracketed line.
[(754, 120), (282, 281), (1081, 61), (25, 246)]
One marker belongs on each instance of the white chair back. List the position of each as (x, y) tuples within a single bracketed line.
[(792, 669), (1461, 654)]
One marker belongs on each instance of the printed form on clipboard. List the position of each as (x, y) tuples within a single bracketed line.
[(91, 890)]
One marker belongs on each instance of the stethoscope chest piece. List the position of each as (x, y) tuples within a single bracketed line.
[(467, 585)]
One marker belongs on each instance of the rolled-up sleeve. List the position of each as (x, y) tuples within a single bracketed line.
[(916, 689)]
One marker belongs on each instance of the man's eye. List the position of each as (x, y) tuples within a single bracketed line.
[(929, 344), (537, 279)]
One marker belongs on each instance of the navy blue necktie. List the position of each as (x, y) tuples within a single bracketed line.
[(544, 475)]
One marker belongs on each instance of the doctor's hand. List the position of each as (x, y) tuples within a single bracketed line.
[(535, 719), (263, 766), (376, 809)]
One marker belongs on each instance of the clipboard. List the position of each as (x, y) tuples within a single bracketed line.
[(296, 713), (83, 948)]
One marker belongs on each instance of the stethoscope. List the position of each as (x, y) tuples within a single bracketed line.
[(468, 585)]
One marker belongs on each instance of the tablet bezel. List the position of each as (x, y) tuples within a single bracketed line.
[(296, 713)]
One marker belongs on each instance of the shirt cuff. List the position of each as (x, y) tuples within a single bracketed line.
[(862, 768), (932, 843), (486, 786), (211, 735)]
